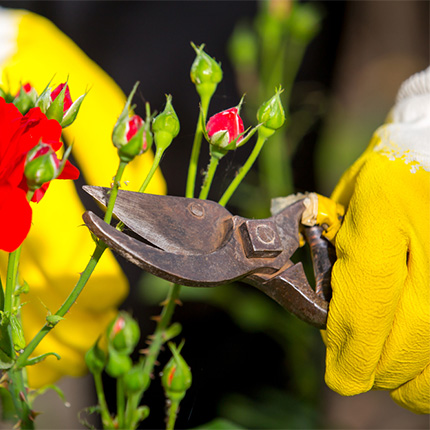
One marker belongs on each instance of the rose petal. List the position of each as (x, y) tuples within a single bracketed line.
[(15, 217)]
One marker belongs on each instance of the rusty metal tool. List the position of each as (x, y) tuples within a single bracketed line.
[(199, 243)]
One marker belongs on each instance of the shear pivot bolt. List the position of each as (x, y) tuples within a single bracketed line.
[(260, 239), (196, 209)]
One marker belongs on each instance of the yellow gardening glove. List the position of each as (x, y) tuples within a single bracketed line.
[(378, 329), (58, 247)]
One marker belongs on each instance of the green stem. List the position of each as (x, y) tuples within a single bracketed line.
[(157, 158), (243, 170), (12, 273), (114, 191), (194, 159), (120, 402), (172, 414), (157, 340), (213, 164), (98, 252), (106, 418), (19, 396), (83, 279)]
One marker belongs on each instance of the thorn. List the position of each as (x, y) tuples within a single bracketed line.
[(151, 336), (156, 362), (156, 318), (144, 351), (22, 396), (148, 342), (164, 302), (178, 302)]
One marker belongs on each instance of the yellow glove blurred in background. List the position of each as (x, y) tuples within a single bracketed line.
[(378, 330), (58, 247)]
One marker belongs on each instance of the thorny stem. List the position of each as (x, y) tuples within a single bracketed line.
[(114, 191), (98, 252), (243, 171), (19, 396), (11, 277), (83, 279), (194, 159), (157, 158), (172, 413), (213, 164), (157, 340)]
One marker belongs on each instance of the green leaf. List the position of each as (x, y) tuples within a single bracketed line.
[(38, 359), (53, 319)]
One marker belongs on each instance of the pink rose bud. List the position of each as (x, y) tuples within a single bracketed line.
[(225, 129), (67, 102), (59, 105), (25, 99), (137, 138), (27, 88), (133, 125)]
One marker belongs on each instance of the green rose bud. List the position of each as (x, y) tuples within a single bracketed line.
[(271, 115), (205, 72), (123, 334), (118, 364), (25, 99), (135, 380), (95, 358), (176, 376), (166, 125), (41, 166)]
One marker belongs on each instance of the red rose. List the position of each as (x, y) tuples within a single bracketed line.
[(225, 127), (18, 135)]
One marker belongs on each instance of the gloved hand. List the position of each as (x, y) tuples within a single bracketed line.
[(378, 329), (33, 50)]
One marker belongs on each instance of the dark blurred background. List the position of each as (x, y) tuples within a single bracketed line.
[(252, 364)]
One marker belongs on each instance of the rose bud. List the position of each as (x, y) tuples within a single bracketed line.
[(118, 364), (225, 129), (123, 333), (135, 380), (205, 72), (271, 115), (176, 377), (165, 126), (138, 138), (95, 358), (42, 166), (60, 106), (25, 99)]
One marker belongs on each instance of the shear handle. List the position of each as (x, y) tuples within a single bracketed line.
[(291, 289)]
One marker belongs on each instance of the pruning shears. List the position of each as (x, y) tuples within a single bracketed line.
[(199, 243)]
